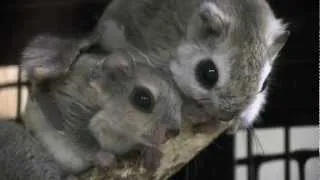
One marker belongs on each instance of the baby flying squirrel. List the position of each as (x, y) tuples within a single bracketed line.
[(220, 52), (108, 105)]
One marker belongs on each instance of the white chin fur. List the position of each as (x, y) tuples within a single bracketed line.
[(253, 110)]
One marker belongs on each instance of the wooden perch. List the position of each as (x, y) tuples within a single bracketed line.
[(176, 153)]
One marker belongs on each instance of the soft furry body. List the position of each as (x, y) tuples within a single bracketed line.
[(22, 157), (241, 38), (153, 27)]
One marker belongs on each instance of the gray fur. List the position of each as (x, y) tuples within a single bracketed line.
[(242, 38), (48, 57), (22, 157), (93, 101)]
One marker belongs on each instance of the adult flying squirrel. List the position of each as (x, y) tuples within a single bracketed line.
[(220, 52)]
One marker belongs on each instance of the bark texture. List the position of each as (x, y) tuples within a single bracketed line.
[(177, 152)]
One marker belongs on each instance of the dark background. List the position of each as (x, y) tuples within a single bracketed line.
[(293, 97)]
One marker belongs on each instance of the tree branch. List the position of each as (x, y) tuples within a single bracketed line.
[(177, 153)]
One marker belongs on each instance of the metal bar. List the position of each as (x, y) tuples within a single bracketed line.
[(15, 84), (251, 168), (19, 95), (287, 152), (301, 171), (296, 155)]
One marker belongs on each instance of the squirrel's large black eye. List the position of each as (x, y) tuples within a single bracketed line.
[(142, 99), (207, 73)]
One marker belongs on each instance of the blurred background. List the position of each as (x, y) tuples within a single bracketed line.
[(282, 146)]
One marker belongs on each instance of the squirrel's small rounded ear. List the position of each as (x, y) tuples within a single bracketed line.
[(214, 20), (119, 65)]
